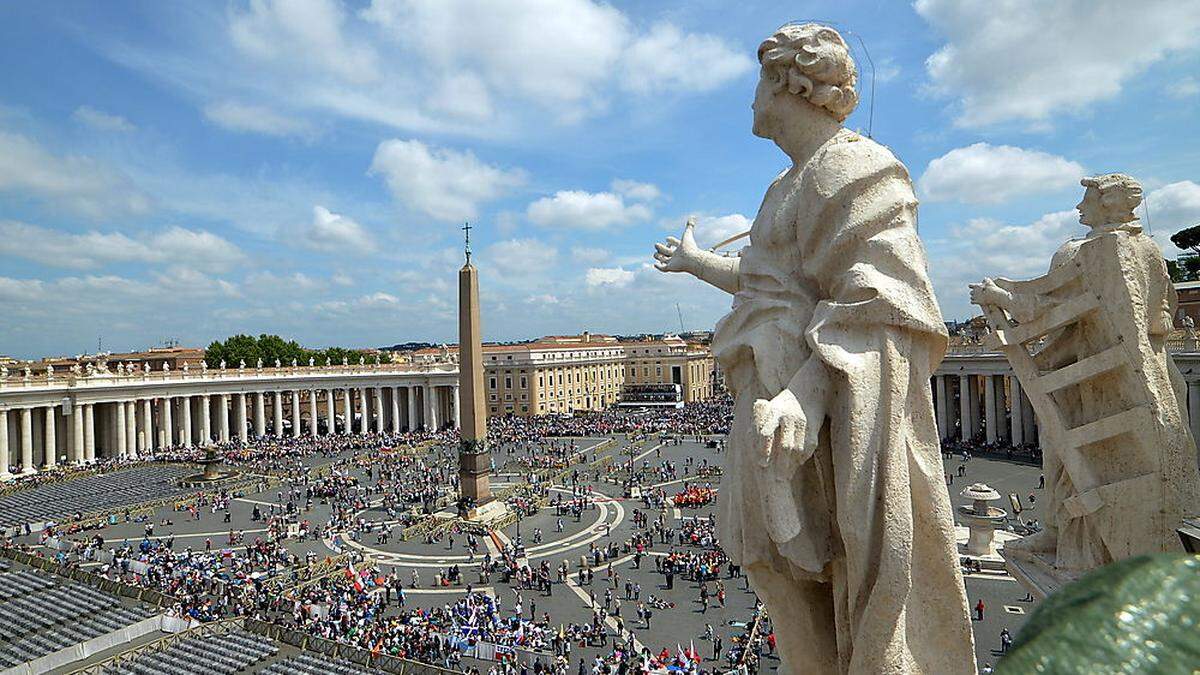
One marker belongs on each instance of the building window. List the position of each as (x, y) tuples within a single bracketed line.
[(524, 383), (508, 383), (491, 383)]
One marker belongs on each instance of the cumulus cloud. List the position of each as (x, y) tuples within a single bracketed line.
[(1185, 87), (102, 121), (668, 58), (255, 119), (992, 174), (438, 182), (521, 258), (1173, 207), (197, 249), (579, 210), (332, 232), (307, 32), (635, 191), (594, 47), (74, 182), (711, 230), (616, 277), (1027, 61)]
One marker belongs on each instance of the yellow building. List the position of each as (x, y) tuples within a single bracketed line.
[(569, 373)]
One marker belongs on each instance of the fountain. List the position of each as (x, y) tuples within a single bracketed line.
[(212, 474), (981, 519)]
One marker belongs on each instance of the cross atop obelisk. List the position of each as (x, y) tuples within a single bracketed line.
[(474, 458)]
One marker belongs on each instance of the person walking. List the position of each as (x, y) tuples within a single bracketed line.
[(979, 610)]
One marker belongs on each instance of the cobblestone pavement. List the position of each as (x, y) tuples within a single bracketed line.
[(681, 625)]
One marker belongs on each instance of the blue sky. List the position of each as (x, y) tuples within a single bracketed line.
[(191, 170)]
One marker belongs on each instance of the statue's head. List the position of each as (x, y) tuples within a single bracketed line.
[(809, 61), (1109, 199)]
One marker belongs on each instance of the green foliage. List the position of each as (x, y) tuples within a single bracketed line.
[(1184, 268), (271, 347), (1188, 238), (1139, 615)]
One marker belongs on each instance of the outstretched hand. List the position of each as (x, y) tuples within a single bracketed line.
[(678, 255)]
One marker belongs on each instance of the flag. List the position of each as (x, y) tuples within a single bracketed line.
[(354, 578)]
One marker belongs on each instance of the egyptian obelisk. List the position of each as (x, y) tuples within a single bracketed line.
[(474, 458)]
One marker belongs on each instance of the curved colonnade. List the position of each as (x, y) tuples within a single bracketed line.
[(72, 418)]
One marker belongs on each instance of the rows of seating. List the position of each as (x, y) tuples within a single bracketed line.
[(202, 655), (40, 616), (316, 664), (55, 501)]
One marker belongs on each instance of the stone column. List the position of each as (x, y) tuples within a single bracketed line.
[(312, 412), (431, 411), (330, 413), (130, 428), (412, 408), (1028, 420), (348, 410), (1016, 429), (76, 434), (964, 408), (122, 438), (260, 415), (379, 421), (277, 414), (943, 406), (5, 474), (89, 432), (239, 400), (1193, 404), (457, 418), (296, 412), (395, 409), (223, 418), (146, 437), (50, 446), (185, 429), (168, 425), (27, 441), (364, 412), (990, 423), (205, 420)]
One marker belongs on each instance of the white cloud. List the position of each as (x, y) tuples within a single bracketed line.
[(609, 276), (711, 230), (310, 33), (992, 174), (342, 279), (520, 258), (1173, 207), (635, 191), (1026, 61), (76, 183), (594, 47), (668, 58), (197, 249), (255, 119), (332, 232), (579, 210), (102, 121), (445, 184), (589, 255), (543, 299), (1186, 87)]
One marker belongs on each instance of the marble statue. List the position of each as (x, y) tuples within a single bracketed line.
[(3, 372), (1119, 461), (344, 361), (258, 364), (241, 364), (835, 503), (277, 363), (75, 370), (49, 372), (146, 368), (362, 360), (204, 367), (185, 368), (294, 362), (310, 362), (121, 369), (166, 367), (222, 364), (89, 371)]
